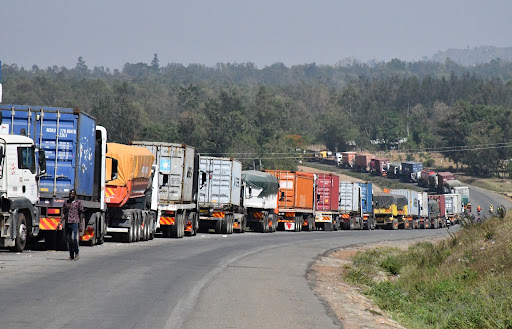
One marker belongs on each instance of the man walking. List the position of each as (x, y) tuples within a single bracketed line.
[(72, 212)]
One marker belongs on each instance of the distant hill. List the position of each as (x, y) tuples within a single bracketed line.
[(474, 56)]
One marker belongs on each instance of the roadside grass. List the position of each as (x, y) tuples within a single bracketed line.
[(464, 281), (382, 182)]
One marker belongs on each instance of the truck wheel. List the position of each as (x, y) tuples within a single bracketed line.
[(21, 233), (394, 225), (352, 224), (137, 226), (436, 223), (243, 224), (94, 220), (128, 236), (231, 223), (133, 226), (220, 226), (103, 227)]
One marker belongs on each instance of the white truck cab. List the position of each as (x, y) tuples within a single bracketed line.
[(19, 191)]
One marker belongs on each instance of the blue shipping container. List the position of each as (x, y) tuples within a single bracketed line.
[(367, 196), (68, 138)]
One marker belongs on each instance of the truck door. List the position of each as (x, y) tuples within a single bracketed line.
[(26, 172)]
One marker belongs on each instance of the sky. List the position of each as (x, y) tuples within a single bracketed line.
[(111, 33)]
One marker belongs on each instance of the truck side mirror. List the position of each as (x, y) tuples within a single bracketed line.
[(250, 192), (41, 160)]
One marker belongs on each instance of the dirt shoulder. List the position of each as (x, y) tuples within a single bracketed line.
[(343, 300)]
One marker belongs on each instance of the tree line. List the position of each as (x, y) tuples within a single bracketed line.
[(248, 113)]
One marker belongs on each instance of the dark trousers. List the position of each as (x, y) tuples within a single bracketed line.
[(72, 237)]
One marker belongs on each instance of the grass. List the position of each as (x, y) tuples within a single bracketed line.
[(464, 281)]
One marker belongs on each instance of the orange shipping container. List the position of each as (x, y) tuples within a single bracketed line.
[(296, 190)]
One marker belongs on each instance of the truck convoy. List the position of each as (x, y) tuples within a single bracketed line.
[(176, 168), (327, 202), (296, 200), (220, 184), (260, 192)]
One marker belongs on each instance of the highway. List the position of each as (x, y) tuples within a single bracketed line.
[(248, 280)]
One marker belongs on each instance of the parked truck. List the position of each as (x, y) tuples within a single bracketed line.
[(220, 184), (417, 210), (127, 194), (385, 210), (362, 162), (296, 200), (348, 159), (355, 204), (424, 177), (327, 196), (19, 174), (439, 220), (75, 153), (411, 171), (442, 179), (394, 170), (260, 194), (453, 208), (379, 166), (177, 176)]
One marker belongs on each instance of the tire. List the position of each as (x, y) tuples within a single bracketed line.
[(243, 224), (133, 226), (137, 226), (127, 237), (21, 233), (297, 223), (219, 226), (394, 225), (103, 226), (436, 223), (94, 220), (176, 227), (352, 224), (231, 224), (311, 224)]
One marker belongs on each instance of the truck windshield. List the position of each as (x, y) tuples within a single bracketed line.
[(26, 159)]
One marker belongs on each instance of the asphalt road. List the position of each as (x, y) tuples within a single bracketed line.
[(248, 280)]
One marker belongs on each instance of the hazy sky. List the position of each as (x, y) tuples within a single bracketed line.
[(112, 32)]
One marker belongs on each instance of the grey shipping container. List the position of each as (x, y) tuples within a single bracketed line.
[(175, 171), (221, 187)]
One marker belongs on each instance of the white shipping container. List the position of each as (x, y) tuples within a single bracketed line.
[(175, 164), (349, 197), (222, 184), (423, 204), (414, 201), (453, 204)]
